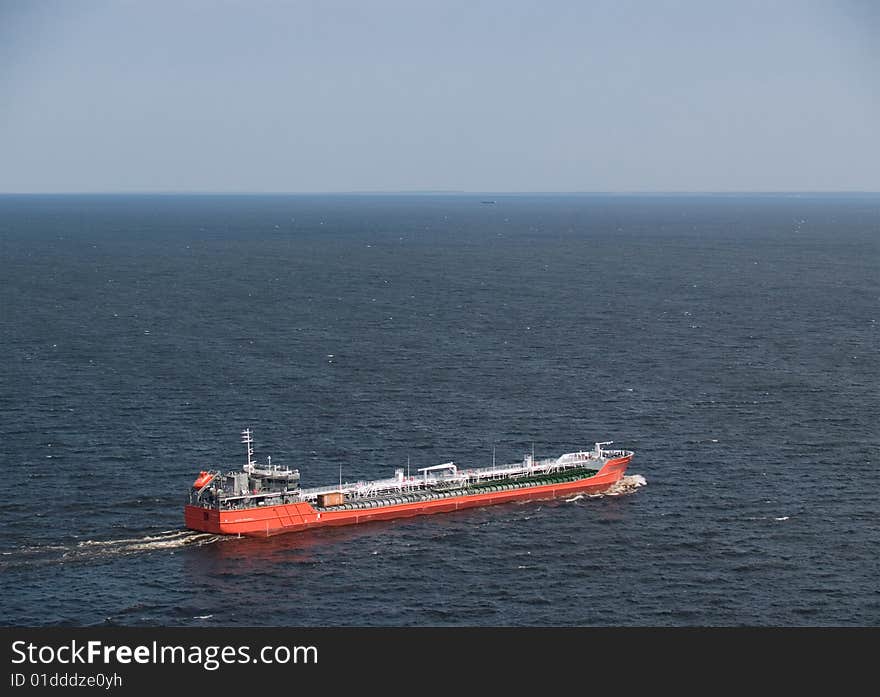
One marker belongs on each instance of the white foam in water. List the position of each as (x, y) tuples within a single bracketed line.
[(626, 485), (172, 542), (170, 539), (161, 540)]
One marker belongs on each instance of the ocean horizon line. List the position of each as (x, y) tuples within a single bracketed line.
[(445, 192)]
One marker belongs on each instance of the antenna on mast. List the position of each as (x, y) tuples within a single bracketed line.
[(340, 475), (493, 454), (248, 440)]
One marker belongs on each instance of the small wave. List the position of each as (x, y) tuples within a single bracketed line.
[(575, 498), (764, 517)]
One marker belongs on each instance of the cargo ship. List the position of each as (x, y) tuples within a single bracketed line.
[(266, 499)]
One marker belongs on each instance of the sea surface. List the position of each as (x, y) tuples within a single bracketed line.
[(730, 341)]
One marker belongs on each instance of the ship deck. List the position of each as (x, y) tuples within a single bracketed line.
[(455, 490), (449, 475)]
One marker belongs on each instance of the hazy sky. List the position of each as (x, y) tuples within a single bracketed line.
[(383, 95)]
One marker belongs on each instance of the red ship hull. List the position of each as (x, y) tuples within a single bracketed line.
[(295, 517)]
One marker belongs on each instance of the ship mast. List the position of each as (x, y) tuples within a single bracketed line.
[(248, 441)]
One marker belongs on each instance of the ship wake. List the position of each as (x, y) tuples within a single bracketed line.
[(169, 539), (98, 549)]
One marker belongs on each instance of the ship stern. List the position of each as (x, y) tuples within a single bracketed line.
[(202, 519)]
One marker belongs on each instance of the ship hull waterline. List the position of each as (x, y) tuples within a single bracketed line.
[(264, 521)]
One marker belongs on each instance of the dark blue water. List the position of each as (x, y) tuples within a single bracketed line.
[(732, 342)]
